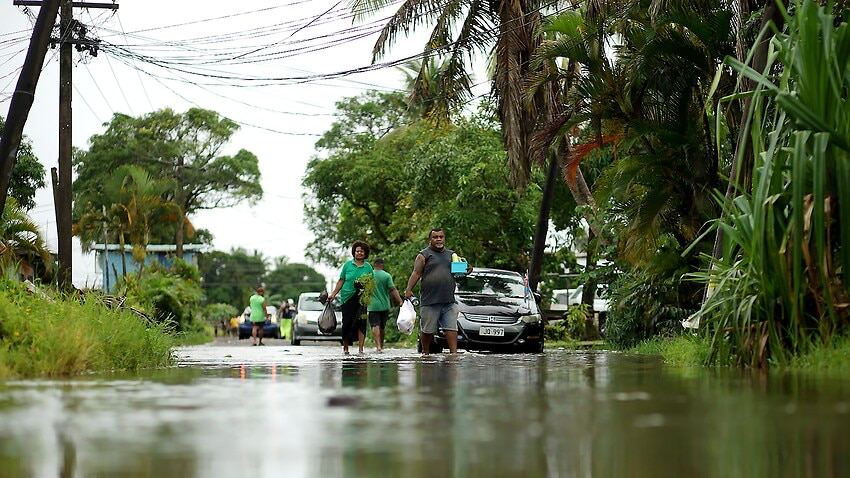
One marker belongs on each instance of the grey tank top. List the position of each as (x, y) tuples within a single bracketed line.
[(438, 284)]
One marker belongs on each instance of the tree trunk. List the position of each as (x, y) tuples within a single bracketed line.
[(740, 176), (123, 257), (542, 229)]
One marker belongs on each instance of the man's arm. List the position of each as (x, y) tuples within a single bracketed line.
[(418, 267), (395, 295)]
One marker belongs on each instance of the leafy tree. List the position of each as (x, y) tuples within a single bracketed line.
[(390, 185), (289, 279), (186, 147), (27, 175), (231, 277)]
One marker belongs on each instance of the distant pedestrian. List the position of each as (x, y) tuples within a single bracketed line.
[(438, 307), (284, 318), (379, 307), (258, 315), (349, 290)]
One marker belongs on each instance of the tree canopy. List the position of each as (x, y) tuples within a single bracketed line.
[(387, 178), (187, 147), (27, 175)]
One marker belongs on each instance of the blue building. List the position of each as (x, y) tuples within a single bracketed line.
[(109, 259)]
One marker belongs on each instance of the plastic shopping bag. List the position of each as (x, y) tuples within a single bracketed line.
[(327, 319), (406, 318)]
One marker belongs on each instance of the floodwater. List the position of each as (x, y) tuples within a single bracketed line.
[(307, 411)]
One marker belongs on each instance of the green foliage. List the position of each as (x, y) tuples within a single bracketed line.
[(367, 288), (781, 287), (215, 313), (682, 351), (652, 300), (231, 277), (185, 147), (575, 322), (21, 241), (171, 296), (27, 175), (288, 280), (44, 336), (389, 183)]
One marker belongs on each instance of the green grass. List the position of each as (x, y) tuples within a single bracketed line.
[(42, 336), (828, 358), (683, 351)]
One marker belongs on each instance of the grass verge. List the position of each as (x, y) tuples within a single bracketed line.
[(689, 351), (683, 351), (42, 336)]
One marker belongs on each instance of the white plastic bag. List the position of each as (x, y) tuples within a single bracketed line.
[(406, 317)]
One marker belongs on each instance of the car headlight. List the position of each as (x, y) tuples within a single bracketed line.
[(301, 319), (531, 319)]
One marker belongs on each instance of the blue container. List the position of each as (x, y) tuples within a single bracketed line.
[(459, 268)]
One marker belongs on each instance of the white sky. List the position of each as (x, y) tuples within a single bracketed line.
[(275, 226)]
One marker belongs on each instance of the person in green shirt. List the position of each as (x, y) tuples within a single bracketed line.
[(349, 296), (258, 305), (379, 306)]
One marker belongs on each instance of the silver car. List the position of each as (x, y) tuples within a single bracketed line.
[(305, 326)]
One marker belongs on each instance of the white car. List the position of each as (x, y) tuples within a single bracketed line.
[(305, 326), (567, 297)]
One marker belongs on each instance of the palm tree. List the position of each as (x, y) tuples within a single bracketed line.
[(424, 82), (646, 100), (504, 29), (137, 203), (21, 241)]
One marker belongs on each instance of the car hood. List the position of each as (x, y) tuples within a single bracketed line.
[(493, 305)]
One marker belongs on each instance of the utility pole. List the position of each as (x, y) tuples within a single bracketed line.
[(70, 33), (63, 207), (24, 94)]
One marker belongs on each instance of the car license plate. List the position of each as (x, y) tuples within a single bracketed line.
[(492, 331)]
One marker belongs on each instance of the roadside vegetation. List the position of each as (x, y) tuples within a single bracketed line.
[(51, 335)]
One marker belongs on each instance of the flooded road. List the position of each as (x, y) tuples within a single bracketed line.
[(307, 411)]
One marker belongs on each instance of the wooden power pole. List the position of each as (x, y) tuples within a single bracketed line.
[(64, 193)]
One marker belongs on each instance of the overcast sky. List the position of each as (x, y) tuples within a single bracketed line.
[(272, 39)]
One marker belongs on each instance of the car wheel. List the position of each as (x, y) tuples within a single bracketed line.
[(435, 348)]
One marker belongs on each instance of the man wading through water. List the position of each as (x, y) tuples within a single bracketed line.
[(438, 308)]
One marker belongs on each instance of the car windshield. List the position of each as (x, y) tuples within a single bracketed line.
[(310, 303), (492, 283)]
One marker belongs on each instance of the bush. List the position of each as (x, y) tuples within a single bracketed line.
[(49, 336), (171, 296), (651, 301)]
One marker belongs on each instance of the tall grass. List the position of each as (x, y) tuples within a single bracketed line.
[(781, 288), (42, 336)]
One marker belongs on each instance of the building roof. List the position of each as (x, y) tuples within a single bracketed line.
[(152, 247)]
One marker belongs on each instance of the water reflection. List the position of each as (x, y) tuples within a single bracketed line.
[(243, 412)]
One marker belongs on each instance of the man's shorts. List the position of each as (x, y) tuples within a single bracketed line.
[(442, 315), (379, 318), (258, 324)]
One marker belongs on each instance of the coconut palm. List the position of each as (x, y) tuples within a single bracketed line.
[(504, 29), (21, 241), (646, 100), (424, 81)]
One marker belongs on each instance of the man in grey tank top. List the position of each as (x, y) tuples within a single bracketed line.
[(437, 306)]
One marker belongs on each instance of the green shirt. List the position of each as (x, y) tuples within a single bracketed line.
[(350, 273), (381, 297), (258, 309)]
